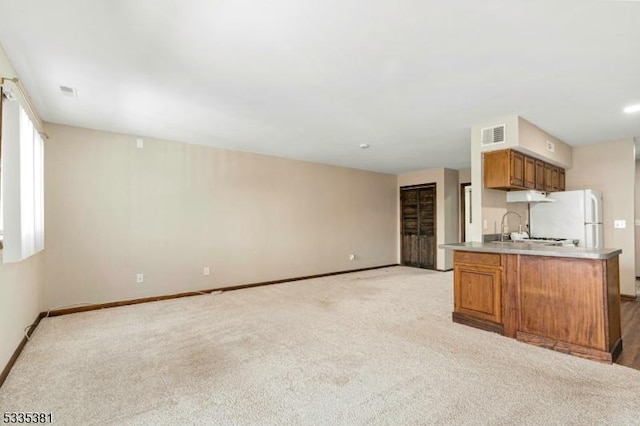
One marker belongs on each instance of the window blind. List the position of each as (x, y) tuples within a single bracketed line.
[(22, 184)]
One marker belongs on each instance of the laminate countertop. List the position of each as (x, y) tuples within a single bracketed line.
[(532, 249)]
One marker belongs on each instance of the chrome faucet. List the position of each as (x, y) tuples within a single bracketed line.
[(502, 223)]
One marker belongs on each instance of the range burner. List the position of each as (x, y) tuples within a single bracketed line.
[(551, 241)]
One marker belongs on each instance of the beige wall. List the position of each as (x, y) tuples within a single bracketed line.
[(171, 209), (20, 283), (464, 175), (533, 140), (610, 168), (446, 181), (494, 208), (20, 295), (451, 213), (637, 217)]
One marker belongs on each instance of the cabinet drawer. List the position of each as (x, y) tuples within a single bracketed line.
[(475, 258)]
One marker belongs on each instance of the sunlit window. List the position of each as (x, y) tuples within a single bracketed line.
[(22, 192)]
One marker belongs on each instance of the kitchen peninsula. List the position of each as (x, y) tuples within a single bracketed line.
[(562, 298)]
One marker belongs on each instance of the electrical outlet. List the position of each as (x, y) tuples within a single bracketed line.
[(620, 224), (139, 278), (207, 271), (551, 147), (140, 143), (352, 257)]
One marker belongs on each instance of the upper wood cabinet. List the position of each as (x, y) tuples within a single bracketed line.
[(517, 168), (509, 169), (561, 176), (539, 175), (503, 169), (529, 173), (553, 178), (548, 177)]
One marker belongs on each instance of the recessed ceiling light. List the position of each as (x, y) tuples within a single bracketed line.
[(364, 146), (632, 108), (68, 92)]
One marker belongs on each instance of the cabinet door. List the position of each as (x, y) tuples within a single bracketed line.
[(529, 172), (517, 168), (496, 165), (478, 291), (555, 178), (548, 180), (561, 176), (539, 175)]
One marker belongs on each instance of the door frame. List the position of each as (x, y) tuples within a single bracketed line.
[(462, 211), (433, 185)]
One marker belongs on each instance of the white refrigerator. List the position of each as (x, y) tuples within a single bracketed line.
[(575, 215)]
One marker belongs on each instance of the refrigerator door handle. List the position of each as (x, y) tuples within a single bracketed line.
[(593, 239), (589, 241), (594, 209)]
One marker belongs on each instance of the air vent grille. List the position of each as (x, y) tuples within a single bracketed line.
[(493, 135), (68, 92)]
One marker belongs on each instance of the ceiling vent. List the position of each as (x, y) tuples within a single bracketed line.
[(493, 135), (68, 92)]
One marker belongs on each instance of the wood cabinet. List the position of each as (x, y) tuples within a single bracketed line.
[(561, 175), (529, 173), (548, 180), (503, 169), (478, 287), (516, 176), (539, 175), (553, 178), (509, 169), (571, 305)]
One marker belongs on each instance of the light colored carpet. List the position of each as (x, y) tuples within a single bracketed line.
[(374, 347)]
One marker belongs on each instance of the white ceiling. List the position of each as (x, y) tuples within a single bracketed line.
[(312, 79)]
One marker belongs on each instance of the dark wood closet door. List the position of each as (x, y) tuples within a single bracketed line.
[(418, 226)]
